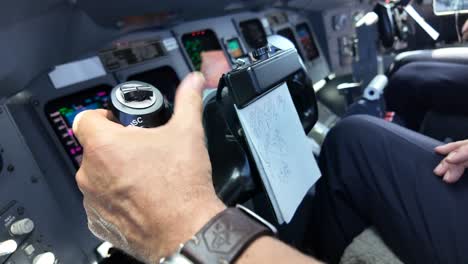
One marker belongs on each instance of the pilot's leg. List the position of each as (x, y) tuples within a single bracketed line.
[(379, 174), (419, 87)]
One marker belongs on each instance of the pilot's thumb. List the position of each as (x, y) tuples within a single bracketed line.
[(189, 101)]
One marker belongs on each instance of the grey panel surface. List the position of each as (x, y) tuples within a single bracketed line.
[(331, 37), (34, 40)]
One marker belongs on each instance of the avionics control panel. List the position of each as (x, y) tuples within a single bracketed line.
[(32, 226)]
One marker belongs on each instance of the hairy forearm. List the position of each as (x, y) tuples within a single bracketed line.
[(270, 250), (264, 250)]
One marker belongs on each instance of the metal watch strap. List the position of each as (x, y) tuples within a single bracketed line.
[(226, 236)]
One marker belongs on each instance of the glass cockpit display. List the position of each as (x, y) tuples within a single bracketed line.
[(62, 112), (197, 42), (289, 34), (307, 41), (253, 33), (234, 48)]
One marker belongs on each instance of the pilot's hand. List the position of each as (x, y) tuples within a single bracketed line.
[(214, 65), (465, 30), (148, 190), (454, 165)]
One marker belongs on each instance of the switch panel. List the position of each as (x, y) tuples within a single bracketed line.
[(10, 214), (30, 216)]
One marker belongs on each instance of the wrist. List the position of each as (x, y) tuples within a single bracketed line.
[(195, 215)]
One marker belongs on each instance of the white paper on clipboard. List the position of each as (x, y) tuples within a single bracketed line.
[(281, 150)]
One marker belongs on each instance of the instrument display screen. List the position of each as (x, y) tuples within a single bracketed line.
[(197, 42), (289, 34), (234, 48), (307, 41), (254, 33), (62, 112)]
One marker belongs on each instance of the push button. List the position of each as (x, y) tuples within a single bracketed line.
[(44, 258), (22, 227), (8, 247)]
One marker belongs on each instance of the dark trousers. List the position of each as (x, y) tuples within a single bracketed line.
[(379, 174), (419, 87)]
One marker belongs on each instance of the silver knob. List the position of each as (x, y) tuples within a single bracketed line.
[(22, 227), (44, 258)]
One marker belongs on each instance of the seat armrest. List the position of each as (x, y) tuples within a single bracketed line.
[(454, 55)]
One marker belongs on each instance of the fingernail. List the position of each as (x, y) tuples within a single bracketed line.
[(451, 155), (199, 75), (437, 169), (447, 178)]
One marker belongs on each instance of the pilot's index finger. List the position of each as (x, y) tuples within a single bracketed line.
[(447, 148), (89, 123)]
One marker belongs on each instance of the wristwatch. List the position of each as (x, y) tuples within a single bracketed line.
[(223, 239)]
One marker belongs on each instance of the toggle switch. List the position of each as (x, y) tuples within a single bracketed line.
[(8, 247), (22, 227), (44, 258)]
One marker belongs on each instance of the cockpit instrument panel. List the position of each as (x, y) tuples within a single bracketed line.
[(62, 112), (307, 40), (197, 42), (253, 32)]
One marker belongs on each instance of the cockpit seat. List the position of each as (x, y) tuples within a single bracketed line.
[(442, 119), (451, 55)]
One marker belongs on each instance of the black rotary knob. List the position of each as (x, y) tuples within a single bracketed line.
[(262, 53), (139, 104)]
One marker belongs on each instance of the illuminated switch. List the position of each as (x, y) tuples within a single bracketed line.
[(44, 258), (8, 247), (22, 227)]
